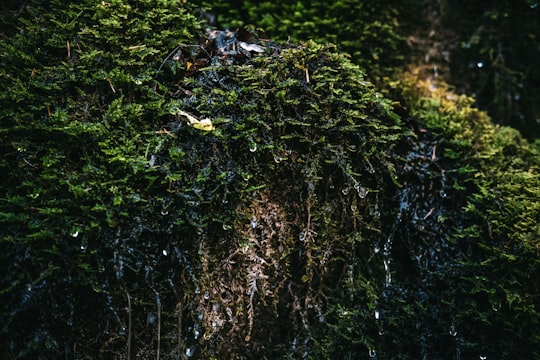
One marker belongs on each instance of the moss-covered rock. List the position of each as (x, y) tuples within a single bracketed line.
[(237, 198), (116, 207)]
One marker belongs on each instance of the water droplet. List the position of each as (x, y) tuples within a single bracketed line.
[(452, 331), (482, 357), (190, 351), (122, 330), (353, 207), (277, 159), (372, 354), (377, 314), (362, 191), (200, 315), (164, 252), (442, 193), (74, 233), (345, 191), (164, 212), (388, 279), (253, 147), (350, 272), (84, 246), (152, 318), (377, 248), (302, 236), (352, 148), (226, 227), (254, 223), (152, 160), (206, 295), (496, 305), (479, 64), (138, 81)]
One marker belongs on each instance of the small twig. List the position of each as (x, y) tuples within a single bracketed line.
[(29, 164), (134, 47), (180, 340), (434, 153), (166, 132), (158, 301), (429, 213), (175, 50), (167, 58), (129, 325), (68, 50), (111, 85)]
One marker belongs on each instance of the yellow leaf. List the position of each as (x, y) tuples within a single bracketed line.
[(202, 124)]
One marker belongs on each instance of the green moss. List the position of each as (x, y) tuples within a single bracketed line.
[(497, 236), (370, 31), (120, 203), (309, 219)]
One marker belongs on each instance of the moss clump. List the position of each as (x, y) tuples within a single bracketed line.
[(372, 32), (297, 155), (130, 232), (478, 289), (77, 98), (305, 219)]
